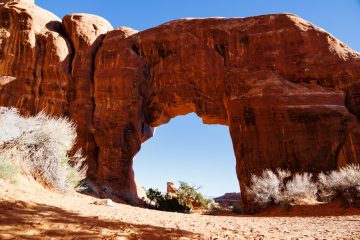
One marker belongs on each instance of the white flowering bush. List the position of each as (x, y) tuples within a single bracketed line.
[(40, 146)]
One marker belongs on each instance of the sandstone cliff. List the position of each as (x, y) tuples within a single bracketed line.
[(288, 91)]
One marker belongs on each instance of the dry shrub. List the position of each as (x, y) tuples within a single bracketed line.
[(40, 144), (265, 188), (271, 188), (336, 183), (283, 174), (300, 188)]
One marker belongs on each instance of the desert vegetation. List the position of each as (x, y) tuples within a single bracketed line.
[(186, 199), (8, 170), (284, 187), (39, 146)]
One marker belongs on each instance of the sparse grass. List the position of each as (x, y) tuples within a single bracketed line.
[(8, 169), (41, 144)]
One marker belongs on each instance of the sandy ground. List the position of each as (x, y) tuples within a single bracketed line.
[(30, 212)]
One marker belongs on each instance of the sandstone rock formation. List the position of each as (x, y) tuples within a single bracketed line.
[(86, 33), (171, 188), (36, 53), (288, 91)]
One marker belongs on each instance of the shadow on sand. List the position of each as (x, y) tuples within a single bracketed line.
[(20, 220)]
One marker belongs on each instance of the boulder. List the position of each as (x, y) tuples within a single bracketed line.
[(104, 202)]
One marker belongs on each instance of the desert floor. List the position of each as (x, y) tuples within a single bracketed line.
[(27, 211)]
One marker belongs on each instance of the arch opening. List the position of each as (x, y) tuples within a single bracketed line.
[(187, 150)]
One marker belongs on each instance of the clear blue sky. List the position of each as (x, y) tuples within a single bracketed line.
[(185, 149)]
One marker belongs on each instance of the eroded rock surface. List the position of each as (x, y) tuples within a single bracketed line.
[(288, 91), (35, 51), (86, 33), (171, 188)]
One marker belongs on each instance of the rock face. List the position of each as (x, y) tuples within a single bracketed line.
[(36, 53), (86, 33), (288, 91), (171, 188)]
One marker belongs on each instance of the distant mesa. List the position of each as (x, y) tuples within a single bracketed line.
[(228, 199)]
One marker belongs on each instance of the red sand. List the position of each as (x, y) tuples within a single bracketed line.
[(30, 212)]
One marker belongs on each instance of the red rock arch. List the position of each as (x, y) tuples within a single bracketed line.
[(287, 90), (267, 78)]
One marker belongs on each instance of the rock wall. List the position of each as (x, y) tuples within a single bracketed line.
[(36, 53), (86, 33), (288, 91)]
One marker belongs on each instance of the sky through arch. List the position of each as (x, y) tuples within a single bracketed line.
[(187, 150)]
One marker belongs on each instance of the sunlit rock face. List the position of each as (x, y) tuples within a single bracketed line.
[(35, 51), (86, 33), (288, 91)]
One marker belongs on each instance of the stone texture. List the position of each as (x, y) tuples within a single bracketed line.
[(171, 188), (35, 51), (288, 91), (86, 33)]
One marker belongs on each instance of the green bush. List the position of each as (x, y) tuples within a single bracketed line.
[(167, 202), (189, 195), (154, 195), (172, 204), (184, 200)]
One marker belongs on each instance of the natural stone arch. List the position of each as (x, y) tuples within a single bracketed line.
[(259, 76), (287, 90)]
